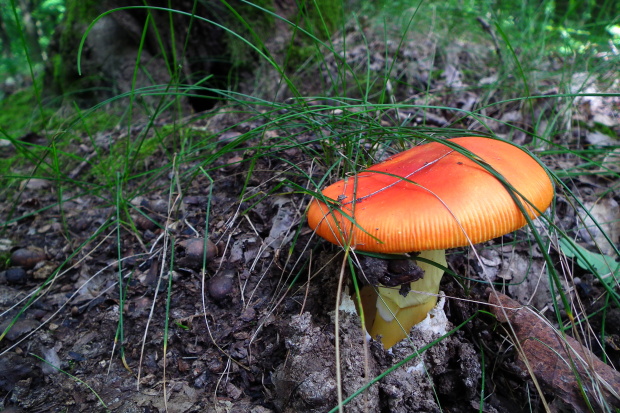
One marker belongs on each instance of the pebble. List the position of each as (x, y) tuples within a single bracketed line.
[(37, 183), (160, 206), (194, 250), (248, 315), (221, 286), (27, 257), (15, 275), (21, 327), (13, 368), (143, 222), (43, 271)]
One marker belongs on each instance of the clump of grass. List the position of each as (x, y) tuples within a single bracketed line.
[(19, 114)]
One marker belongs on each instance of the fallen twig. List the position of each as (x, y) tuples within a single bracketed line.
[(564, 366)]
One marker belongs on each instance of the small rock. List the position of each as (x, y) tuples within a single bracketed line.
[(248, 314), (19, 329), (228, 136), (13, 368), (15, 275), (194, 200), (195, 249), (52, 361), (260, 409), (27, 257), (221, 286), (75, 356), (183, 366), (159, 205), (143, 222), (5, 245), (37, 183), (43, 271), (233, 391)]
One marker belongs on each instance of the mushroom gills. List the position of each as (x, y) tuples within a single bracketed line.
[(395, 314)]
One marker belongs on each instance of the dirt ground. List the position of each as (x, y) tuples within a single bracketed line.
[(255, 332)]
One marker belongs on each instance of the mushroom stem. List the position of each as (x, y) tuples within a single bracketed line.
[(397, 314)]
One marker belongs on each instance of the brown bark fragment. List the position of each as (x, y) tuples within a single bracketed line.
[(558, 362)]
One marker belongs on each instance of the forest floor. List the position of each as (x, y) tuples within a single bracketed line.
[(256, 331)]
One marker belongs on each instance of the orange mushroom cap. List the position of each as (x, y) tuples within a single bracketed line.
[(433, 197)]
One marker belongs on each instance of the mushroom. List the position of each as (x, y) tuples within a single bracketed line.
[(439, 195)]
